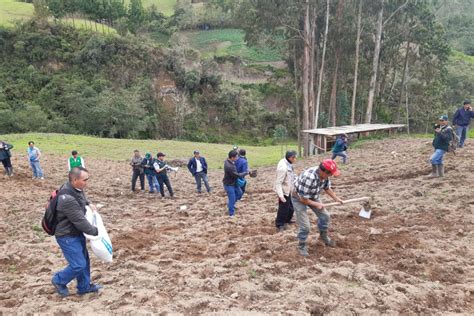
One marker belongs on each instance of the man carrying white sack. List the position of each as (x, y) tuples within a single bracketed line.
[(69, 234)]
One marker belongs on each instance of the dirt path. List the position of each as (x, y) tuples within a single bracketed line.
[(415, 256)]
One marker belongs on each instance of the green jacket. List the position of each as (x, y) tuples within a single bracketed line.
[(78, 162)]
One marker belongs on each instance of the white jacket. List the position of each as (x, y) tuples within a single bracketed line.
[(284, 178)]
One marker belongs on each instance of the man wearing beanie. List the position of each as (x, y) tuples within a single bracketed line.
[(461, 120)]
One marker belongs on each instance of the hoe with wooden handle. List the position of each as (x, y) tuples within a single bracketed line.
[(364, 212)]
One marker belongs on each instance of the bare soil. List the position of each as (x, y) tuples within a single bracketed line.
[(416, 254)]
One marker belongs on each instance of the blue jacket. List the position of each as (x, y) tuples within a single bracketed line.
[(192, 165), (340, 145), (462, 117), (242, 165)]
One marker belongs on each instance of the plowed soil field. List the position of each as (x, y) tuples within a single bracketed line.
[(415, 255)]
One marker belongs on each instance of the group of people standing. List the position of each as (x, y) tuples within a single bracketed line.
[(155, 170), (34, 157), (444, 135)]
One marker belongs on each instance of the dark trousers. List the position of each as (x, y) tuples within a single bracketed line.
[(243, 187), (136, 174), (7, 163), (285, 212), (165, 180)]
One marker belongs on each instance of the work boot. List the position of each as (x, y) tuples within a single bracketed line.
[(10, 171), (440, 170), (327, 241), (303, 249), (434, 172)]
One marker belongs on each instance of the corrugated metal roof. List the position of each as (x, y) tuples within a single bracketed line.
[(348, 129)]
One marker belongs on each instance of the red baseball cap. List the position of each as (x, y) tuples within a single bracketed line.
[(331, 166)]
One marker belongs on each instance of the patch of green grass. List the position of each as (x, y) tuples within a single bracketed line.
[(11, 10), (460, 56), (224, 42), (122, 149), (164, 6)]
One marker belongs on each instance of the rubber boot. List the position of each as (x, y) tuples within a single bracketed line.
[(440, 170), (434, 172), (10, 171), (327, 241), (303, 249)]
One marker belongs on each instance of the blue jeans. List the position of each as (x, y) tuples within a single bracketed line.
[(234, 193), (437, 157), (302, 219), (153, 182), (201, 175), (461, 131), (35, 166), (340, 154), (75, 251)]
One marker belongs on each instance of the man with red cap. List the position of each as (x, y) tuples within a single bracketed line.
[(307, 188)]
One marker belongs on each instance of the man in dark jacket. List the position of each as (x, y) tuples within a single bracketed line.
[(461, 120), (234, 193), (72, 223), (161, 169), (443, 136), (5, 155), (198, 168), (339, 148)]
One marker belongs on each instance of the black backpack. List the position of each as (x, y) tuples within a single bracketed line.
[(49, 221)]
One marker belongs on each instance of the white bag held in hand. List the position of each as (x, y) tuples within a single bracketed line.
[(101, 245)]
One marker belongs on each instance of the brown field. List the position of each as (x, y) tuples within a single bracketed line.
[(415, 256)]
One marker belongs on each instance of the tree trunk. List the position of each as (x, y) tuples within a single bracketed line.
[(333, 100), (404, 78), (375, 65), (321, 71), (305, 81), (356, 67), (297, 105), (311, 72)]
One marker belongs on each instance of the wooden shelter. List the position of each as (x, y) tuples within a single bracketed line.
[(324, 137)]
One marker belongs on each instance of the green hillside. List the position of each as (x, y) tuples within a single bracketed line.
[(121, 149)]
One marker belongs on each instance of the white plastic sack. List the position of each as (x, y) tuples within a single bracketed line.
[(101, 245)]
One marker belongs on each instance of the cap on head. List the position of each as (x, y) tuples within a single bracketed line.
[(196, 152), (467, 101), (344, 135), (330, 166), (235, 147), (160, 154), (443, 117), (147, 155)]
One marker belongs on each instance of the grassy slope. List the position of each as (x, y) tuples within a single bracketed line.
[(122, 149), (228, 42), (10, 10)]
